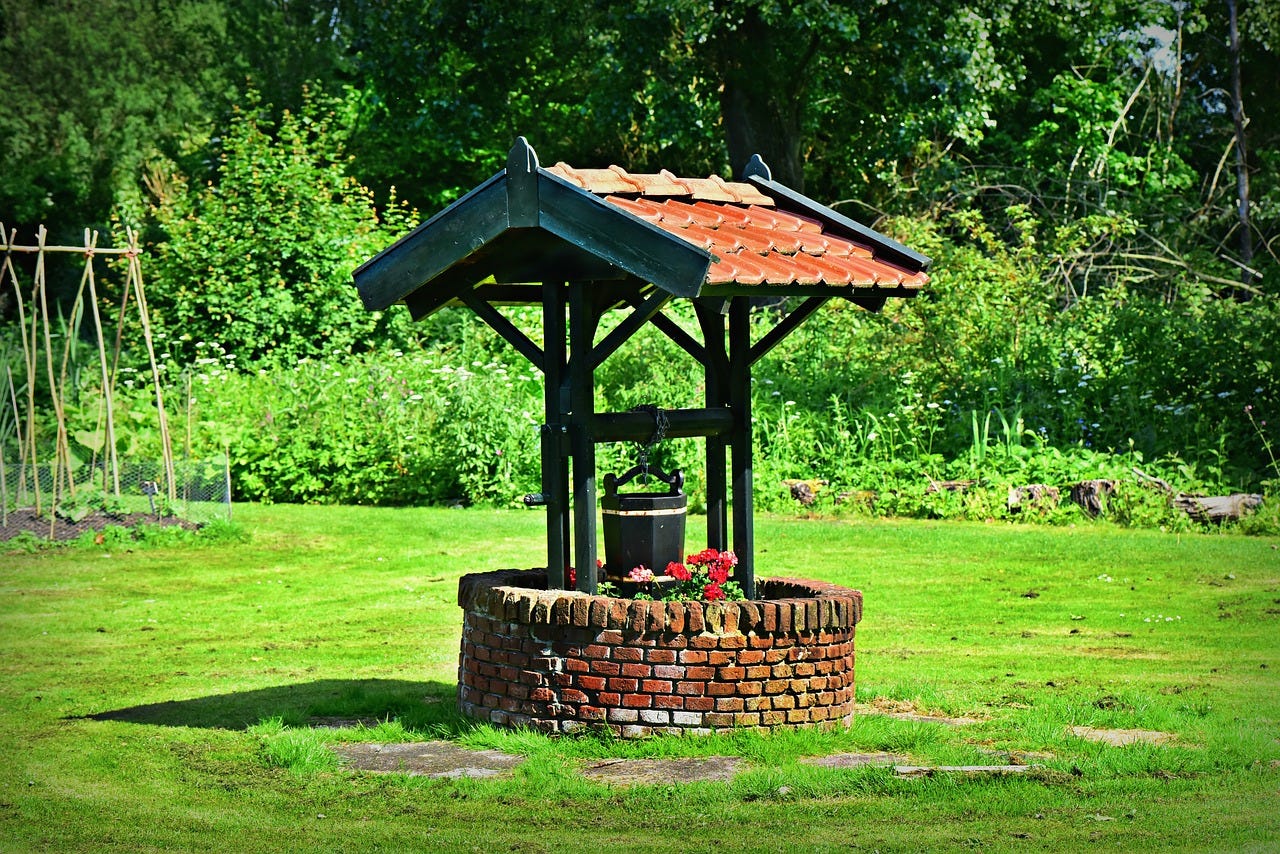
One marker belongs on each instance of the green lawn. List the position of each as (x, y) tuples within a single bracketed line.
[(157, 698)]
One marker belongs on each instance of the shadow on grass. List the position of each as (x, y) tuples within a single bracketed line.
[(415, 705)]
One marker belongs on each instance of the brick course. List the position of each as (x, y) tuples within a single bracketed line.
[(558, 660)]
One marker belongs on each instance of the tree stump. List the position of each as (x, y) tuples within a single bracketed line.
[(1091, 495), (1038, 496), (1217, 508)]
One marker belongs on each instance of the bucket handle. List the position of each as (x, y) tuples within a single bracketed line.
[(675, 480)]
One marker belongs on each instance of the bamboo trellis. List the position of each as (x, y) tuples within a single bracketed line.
[(36, 327)]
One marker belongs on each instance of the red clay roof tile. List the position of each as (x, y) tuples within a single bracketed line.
[(752, 242)]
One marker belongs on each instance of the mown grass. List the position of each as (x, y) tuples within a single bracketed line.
[(157, 696)]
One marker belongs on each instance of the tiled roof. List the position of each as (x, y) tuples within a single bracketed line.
[(753, 241)]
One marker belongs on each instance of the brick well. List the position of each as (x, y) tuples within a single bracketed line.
[(559, 660)]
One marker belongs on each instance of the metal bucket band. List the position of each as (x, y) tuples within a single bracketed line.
[(673, 511)]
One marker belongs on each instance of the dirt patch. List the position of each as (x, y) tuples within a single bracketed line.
[(1122, 737), (905, 710), (629, 772), (26, 520), (426, 759)]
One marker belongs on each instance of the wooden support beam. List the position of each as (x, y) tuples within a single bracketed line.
[(785, 327), (740, 401), (630, 325), (449, 286), (508, 330), (582, 328), (682, 339), (681, 424), (716, 380), (555, 474)]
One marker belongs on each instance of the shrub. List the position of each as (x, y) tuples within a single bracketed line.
[(259, 260)]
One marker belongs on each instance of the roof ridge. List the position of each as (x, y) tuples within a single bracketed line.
[(626, 176), (564, 170), (676, 179)]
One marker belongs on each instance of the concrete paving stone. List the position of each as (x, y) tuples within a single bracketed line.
[(854, 760), (628, 772), (426, 759), (1121, 737)]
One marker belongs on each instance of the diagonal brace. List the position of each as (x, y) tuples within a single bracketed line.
[(505, 328), (784, 328), (638, 317)]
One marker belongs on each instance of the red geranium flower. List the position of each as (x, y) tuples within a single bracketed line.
[(678, 571), (712, 592), (572, 575)]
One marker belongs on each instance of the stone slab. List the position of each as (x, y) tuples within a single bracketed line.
[(854, 760), (1121, 737), (629, 772), (426, 759)]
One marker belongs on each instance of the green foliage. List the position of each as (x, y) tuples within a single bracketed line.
[(390, 428), (99, 94), (294, 749), (260, 259)]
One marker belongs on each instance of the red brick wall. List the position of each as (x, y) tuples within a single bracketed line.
[(559, 660)]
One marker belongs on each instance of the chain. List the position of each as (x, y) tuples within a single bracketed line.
[(660, 424)]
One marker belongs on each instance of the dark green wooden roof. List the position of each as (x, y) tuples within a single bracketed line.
[(528, 224)]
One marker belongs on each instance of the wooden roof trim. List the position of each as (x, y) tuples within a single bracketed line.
[(524, 195), (886, 248), (628, 242), (422, 254)]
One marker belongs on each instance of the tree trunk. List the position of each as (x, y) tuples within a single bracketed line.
[(762, 100), (1242, 155)]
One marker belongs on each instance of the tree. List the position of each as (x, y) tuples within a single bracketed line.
[(97, 93), (259, 259)]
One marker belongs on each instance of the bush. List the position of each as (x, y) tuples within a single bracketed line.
[(259, 260)]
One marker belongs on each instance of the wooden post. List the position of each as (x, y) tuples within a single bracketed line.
[(555, 481), (716, 378), (582, 328), (740, 402)]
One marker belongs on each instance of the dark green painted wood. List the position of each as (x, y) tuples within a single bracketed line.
[(683, 339), (630, 325), (582, 330), (715, 372), (555, 475), (681, 424), (449, 286), (785, 327), (740, 401), (626, 241), (522, 185), (433, 247)]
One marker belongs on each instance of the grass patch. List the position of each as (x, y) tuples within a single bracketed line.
[(160, 696)]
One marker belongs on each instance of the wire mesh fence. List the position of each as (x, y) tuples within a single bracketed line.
[(52, 502)]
